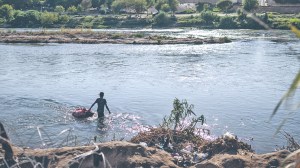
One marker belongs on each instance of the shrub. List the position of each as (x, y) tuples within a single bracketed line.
[(202, 6), (48, 18), (194, 21), (162, 19), (63, 19), (59, 9), (224, 4), (72, 10), (7, 12), (165, 8), (29, 18), (187, 11), (295, 22), (209, 17), (248, 5), (227, 23)]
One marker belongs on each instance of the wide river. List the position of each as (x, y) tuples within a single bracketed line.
[(234, 85)]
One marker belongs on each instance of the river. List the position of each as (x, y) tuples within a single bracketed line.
[(234, 85)]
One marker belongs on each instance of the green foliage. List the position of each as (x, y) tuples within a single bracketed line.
[(188, 11), (159, 4), (227, 22), (19, 4), (200, 6), (30, 18), (224, 4), (295, 22), (241, 15), (136, 5), (72, 10), (139, 5), (118, 5), (193, 21), (48, 19), (203, 6), (97, 3), (181, 111), (162, 19), (165, 8), (173, 4), (7, 12), (63, 19), (291, 92), (59, 9), (248, 5), (209, 17)]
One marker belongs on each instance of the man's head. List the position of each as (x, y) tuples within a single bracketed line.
[(101, 94)]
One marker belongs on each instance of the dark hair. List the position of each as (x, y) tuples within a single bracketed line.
[(101, 94)]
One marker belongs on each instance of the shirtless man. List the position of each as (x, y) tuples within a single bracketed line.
[(101, 103)]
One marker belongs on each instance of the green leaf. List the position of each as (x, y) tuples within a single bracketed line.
[(289, 93), (295, 30)]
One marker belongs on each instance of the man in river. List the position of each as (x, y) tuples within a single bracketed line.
[(101, 103)]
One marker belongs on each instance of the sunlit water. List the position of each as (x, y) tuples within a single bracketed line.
[(235, 86)]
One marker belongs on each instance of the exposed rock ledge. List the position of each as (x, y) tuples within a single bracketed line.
[(125, 154), (89, 37)]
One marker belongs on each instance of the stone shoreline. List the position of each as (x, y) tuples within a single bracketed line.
[(88, 37)]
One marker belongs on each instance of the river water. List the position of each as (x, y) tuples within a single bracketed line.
[(235, 86)]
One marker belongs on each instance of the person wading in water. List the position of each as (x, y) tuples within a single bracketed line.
[(101, 103)]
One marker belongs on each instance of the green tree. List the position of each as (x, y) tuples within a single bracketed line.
[(19, 19), (224, 4), (165, 8), (63, 19), (162, 19), (209, 17), (72, 9), (159, 4), (248, 5), (59, 9), (109, 3), (96, 3), (7, 12), (19, 4), (48, 18), (227, 23), (173, 4), (200, 6), (30, 18), (118, 5), (139, 6)]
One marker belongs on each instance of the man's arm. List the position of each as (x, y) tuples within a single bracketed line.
[(107, 107), (92, 105)]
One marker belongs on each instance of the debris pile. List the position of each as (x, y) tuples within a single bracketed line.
[(189, 149)]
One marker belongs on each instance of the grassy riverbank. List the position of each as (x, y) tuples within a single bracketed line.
[(203, 20)]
